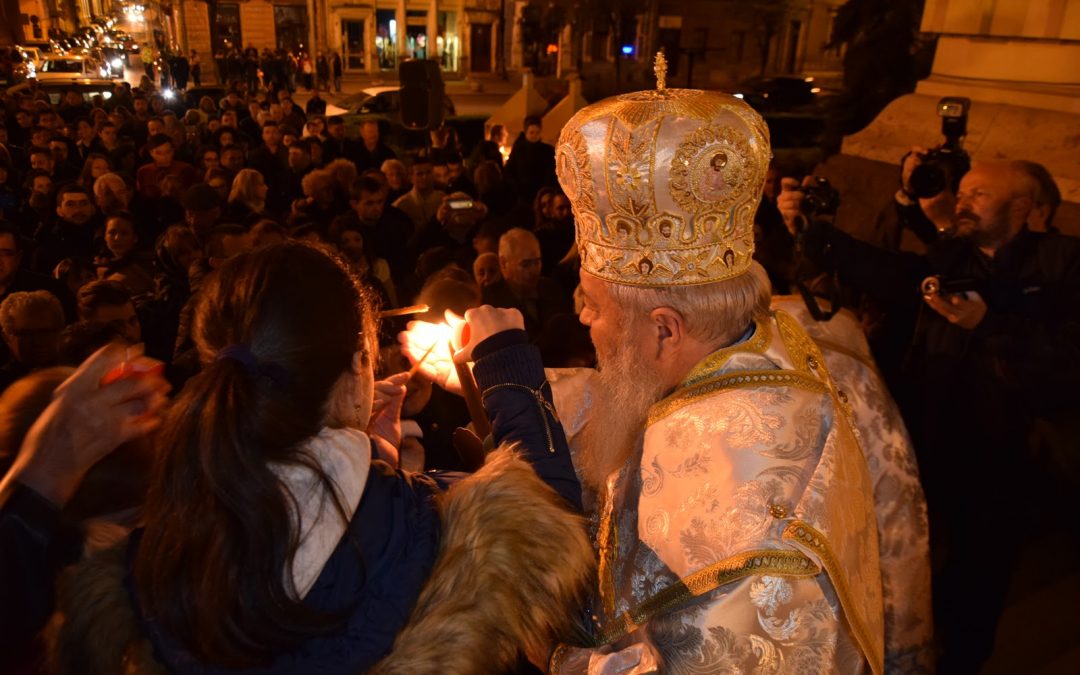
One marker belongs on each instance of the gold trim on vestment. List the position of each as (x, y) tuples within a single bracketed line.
[(607, 536), (773, 562), (851, 353), (707, 367), (804, 534), (807, 357), (743, 379)]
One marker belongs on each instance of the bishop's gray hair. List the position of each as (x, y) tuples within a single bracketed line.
[(716, 312)]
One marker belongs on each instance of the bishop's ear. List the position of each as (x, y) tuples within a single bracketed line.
[(669, 329)]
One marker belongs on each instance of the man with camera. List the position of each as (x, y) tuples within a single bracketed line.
[(929, 179), (995, 344)]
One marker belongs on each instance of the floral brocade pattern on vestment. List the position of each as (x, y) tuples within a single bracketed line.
[(730, 471)]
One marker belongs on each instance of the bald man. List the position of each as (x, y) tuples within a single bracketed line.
[(995, 349), (522, 287), (486, 269)]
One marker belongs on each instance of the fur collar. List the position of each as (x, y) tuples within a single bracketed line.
[(513, 566)]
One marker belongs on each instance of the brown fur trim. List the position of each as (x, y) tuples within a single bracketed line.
[(95, 630), (513, 565)]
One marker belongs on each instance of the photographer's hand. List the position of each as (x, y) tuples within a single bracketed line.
[(966, 312), (907, 166), (788, 202)]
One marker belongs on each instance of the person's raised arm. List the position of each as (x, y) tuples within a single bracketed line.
[(517, 396), (85, 421), (111, 399), (889, 277)]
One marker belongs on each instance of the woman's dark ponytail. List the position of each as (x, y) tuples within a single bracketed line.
[(276, 330)]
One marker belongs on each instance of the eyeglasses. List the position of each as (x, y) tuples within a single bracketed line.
[(974, 195)]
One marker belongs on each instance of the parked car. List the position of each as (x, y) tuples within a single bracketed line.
[(384, 101), (782, 93), (383, 104), (31, 55), (72, 67), (55, 89)]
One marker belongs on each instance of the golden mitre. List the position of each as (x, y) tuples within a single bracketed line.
[(664, 184)]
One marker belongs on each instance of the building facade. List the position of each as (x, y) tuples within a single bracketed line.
[(708, 42), (1018, 63), (372, 36), (712, 43)]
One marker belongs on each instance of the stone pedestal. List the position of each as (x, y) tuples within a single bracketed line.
[(1019, 63)]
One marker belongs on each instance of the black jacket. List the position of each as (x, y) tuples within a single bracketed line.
[(979, 388), (35, 544), (531, 166), (549, 301)]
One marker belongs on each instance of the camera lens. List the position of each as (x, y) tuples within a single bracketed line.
[(927, 180)]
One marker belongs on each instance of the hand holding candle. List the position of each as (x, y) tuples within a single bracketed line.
[(448, 365), (483, 322), (442, 340), (436, 347), (389, 397)]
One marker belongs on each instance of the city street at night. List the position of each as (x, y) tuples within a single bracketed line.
[(539, 336)]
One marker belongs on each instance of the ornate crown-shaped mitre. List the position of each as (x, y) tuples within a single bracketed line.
[(664, 185)]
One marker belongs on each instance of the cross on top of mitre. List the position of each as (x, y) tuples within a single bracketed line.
[(660, 68)]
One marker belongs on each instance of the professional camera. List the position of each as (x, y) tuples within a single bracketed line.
[(940, 285), (820, 198), (944, 165)]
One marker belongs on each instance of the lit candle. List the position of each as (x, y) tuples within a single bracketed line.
[(431, 337)]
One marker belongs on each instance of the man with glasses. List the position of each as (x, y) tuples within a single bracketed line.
[(995, 345)]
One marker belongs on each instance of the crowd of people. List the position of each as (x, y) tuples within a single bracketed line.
[(280, 68), (121, 216), (244, 244), (149, 202)]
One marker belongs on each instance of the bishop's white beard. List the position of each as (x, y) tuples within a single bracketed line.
[(625, 389)]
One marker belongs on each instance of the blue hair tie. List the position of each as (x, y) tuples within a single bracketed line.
[(242, 355)]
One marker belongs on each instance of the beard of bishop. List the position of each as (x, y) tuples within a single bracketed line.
[(626, 387)]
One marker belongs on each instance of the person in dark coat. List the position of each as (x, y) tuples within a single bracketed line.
[(336, 70), (322, 71), (15, 277), (386, 556), (985, 360), (72, 235), (532, 162), (370, 152), (316, 105)]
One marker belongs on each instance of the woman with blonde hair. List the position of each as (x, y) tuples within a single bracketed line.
[(112, 194), (247, 197), (398, 178), (322, 199)]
